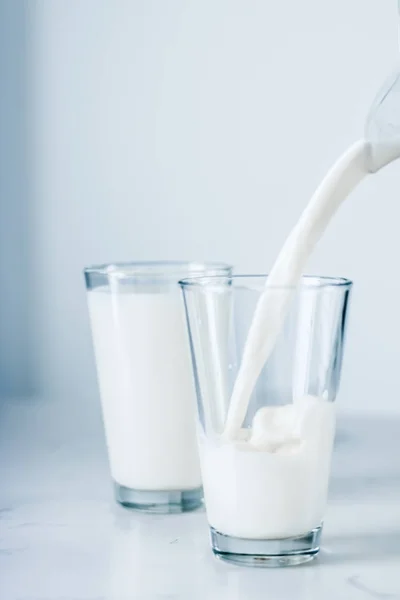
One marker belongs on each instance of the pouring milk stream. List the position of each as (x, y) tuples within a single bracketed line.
[(380, 147)]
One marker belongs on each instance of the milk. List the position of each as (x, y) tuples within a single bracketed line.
[(272, 482), (146, 387), (349, 170)]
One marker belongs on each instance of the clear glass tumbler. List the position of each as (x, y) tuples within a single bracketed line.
[(146, 381), (265, 489)]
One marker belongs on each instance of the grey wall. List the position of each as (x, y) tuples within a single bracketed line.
[(179, 128), (15, 201)]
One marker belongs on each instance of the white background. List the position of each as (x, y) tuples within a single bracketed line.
[(179, 129)]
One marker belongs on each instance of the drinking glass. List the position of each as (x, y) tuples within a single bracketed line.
[(146, 383), (265, 488)]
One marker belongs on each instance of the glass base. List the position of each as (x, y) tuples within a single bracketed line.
[(287, 552), (161, 502)]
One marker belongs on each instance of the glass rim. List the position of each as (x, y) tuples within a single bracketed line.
[(314, 282), (154, 267)]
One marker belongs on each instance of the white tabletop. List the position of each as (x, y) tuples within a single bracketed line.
[(62, 537)]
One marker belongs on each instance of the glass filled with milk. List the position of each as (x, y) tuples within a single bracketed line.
[(146, 382), (266, 471)]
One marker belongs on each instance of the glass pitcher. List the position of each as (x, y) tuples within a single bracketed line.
[(382, 128)]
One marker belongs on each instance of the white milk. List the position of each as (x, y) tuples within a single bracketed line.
[(274, 483), (287, 270), (146, 387), (271, 481)]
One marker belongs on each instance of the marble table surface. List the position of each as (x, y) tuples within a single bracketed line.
[(62, 537)]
